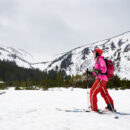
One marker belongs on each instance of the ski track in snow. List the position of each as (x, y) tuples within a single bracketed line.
[(36, 110)]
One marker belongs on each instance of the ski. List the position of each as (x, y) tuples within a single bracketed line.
[(73, 110), (100, 111), (122, 113), (80, 110)]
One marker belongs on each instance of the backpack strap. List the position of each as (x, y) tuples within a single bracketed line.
[(99, 72)]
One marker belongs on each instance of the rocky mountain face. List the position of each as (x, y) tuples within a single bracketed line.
[(79, 59)]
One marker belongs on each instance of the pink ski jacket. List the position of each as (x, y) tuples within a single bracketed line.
[(101, 65)]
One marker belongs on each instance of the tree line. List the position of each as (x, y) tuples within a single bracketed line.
[(23, 78), (14, 75)]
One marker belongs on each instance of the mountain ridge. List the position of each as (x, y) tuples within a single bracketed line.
[(77, 60), (116, 48)]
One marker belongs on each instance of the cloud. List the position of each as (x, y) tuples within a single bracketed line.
[(54, 26)]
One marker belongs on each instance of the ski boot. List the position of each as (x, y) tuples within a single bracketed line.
[(110, 107)]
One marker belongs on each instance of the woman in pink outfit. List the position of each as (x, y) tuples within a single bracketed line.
[(99, 85)]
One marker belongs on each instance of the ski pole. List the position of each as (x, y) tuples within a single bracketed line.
[(87, 91)]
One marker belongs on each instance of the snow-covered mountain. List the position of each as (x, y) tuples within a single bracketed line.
[(79, 59), (21, 57)]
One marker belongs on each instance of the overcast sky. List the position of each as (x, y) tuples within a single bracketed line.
[(54, 26)]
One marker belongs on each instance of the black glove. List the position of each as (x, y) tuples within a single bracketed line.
[(89, 72), (97, 71)]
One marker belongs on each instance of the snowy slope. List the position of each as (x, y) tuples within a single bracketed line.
[(77, 60), (21, 57), (36, 110)]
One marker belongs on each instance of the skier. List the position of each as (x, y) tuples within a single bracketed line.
[(99, 85)]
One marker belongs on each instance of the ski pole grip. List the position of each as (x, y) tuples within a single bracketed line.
[(87, 70)]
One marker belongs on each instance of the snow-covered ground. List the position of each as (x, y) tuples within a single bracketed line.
[(36, 110)]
